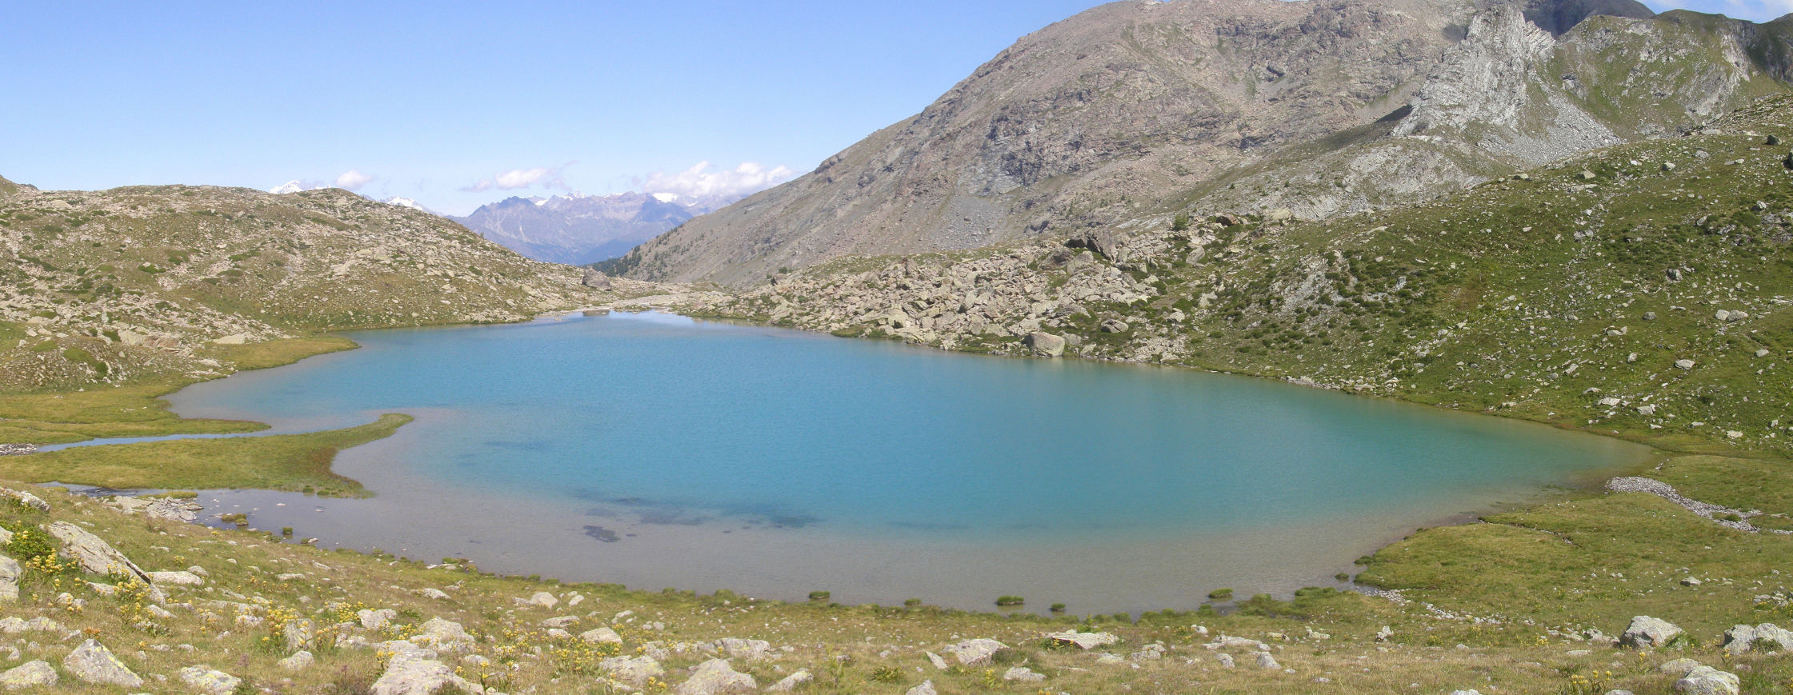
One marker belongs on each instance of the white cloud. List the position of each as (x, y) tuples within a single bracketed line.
[(352, 179), (700, 182), (544, 177)]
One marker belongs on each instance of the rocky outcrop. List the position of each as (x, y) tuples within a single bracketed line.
[(1646, 632), (716, 677), (34, 674), (92, 553), (92, 662)]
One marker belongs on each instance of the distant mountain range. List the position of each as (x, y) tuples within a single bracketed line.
[(582, 229)]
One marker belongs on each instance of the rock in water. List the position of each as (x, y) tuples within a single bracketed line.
[(716, 677), (93, 663)]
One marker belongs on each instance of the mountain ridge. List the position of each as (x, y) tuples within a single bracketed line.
[(1128, 108)]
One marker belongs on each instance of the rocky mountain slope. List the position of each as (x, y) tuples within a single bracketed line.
[(1314, 109), (579, 229), (124, 284), (1644, 289)]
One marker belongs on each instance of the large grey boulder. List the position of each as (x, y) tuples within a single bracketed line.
[(1083, 640), (443, 635), (716, 677), (92, 553), (1100, 241), (926, 688), (737, 648), (791, 682), (35, 674), (975, 652), (10, 572), (1023, 674), (633, 671), (1646, 632), (25, 499), (205, 679), (93, 663), (1705, 680), (595, 279), (1743, 638), (415, 673), (1045, 344)]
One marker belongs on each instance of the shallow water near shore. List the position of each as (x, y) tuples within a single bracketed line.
[(657, 451)]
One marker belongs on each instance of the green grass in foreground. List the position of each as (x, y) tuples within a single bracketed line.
[(291, 462)]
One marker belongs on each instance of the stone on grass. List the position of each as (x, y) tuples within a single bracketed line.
[(35, 674), (93, 663), (716, 677), (1022, 674), (632, 670), (299, 661), (1767, 636), (1646, 632), (601, 635), (975, 652), (1705, 680), (205, 679), (938, 662), (737, 648), (1084, 640), (414, 673), (1266, 661), (92, 553), (443, 635), (791, 682), (926, 688), (175, 579), (10, 571), (24, 498)]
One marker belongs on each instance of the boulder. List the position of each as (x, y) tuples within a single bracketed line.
[(299, 661), (1045, 344), (1100, 241), (926, 688), (1684, 364), (737, 648), (791, 682), (205, 679), (414, 673), (1267, 662), (10, 571), (632, 671), (716, 677), (93, 663), (372, 619), (35, 674), (1084, 640), (1646, 632), (595, 279), (1705, 680), (182, 578), (1022, 674), (602, 635), (25, 498), (1113, 326), (91, 553), (444, 636), (1742, 639), (975, 652)]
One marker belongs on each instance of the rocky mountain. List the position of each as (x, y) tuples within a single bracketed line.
[(1644, 289), (143, 282), (1310, 109), (581, 229)]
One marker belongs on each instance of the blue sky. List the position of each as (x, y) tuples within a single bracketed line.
[(457, 104)]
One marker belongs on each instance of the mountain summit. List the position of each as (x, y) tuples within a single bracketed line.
[(1317, 108), (582, 229)]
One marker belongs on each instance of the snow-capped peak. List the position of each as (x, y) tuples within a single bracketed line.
[(292, 186), (666, 197)]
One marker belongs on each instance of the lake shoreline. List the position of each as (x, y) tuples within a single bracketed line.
[(1588, 482)]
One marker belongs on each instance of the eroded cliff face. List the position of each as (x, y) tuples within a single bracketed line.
[(1320, 108)]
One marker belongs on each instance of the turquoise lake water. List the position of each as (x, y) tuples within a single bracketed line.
[(660, 451)]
